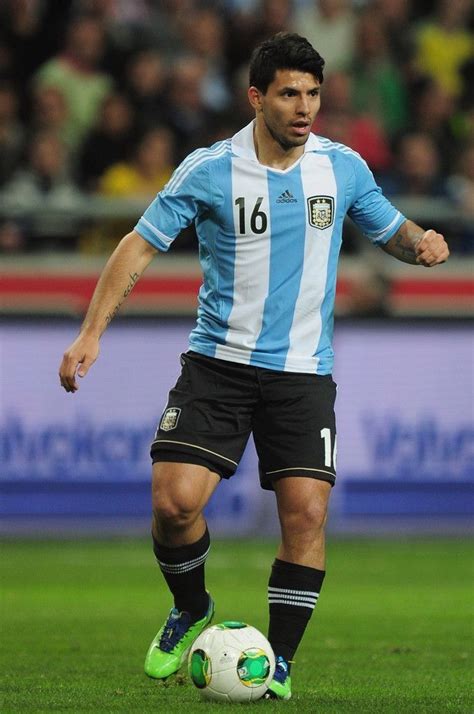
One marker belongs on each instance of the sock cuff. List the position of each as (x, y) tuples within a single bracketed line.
[(293, 573), (183, 553)]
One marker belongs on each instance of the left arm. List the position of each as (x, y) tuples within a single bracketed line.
[(414, 245)]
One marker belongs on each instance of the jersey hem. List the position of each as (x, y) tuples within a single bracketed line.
[(230, 354)]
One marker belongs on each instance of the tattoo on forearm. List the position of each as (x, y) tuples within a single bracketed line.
[(405, 252), (133, 279)]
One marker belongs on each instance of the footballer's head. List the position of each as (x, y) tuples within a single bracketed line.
[(283, 51)]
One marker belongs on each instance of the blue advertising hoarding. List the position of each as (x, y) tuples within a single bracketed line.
[(404, 414)]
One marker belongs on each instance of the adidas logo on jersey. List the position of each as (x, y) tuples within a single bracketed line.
[(286, 197)]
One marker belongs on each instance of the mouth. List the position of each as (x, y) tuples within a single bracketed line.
[(302, 128)]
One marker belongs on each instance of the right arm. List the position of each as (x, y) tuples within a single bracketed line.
[(123, 269)]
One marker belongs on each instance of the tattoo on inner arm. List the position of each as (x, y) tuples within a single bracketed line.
[(133, 279)]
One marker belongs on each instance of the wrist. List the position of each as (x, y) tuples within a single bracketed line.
[(91, 332)]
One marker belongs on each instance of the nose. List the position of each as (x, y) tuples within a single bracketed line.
[(303, 106)]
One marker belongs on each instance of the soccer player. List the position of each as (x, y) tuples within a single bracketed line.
[(268, 205)]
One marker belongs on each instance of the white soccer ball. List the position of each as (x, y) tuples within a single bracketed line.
[(231, 662)]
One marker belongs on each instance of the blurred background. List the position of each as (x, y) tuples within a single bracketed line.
[(99, 102)]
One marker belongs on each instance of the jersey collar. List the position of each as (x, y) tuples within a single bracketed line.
[(243, 144)]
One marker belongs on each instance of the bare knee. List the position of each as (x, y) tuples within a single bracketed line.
[(307, 518), (179, 494), (173, 510)]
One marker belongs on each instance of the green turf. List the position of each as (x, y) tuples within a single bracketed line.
[(392, 631)]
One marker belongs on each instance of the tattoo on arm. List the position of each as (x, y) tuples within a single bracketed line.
[(404, 251), (403, 244), (110, 315)]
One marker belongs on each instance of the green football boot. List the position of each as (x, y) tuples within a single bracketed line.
[(170, 648), (280, 686)]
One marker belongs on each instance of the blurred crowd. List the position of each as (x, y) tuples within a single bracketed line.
[(103, 98)]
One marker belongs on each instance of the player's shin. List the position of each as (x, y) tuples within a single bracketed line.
[(183, 570), (293, 592)]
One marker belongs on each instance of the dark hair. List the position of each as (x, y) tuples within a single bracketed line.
[(285, 50)]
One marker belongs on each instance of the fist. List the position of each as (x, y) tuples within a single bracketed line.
[(431, 249)]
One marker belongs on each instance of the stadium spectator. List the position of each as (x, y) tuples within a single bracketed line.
[(417, 168), (12, 238), (148, 170), (461, 191), (378, 87), (338, 121), (396, 17), (139, 177), (164, 29), (125, 22), (433, 110), (444, 43), (145, 83), (49, 111), (77, 74), (186, 112), (461, 182), (107, 144), (45, 183), (253, 23), (32, 31), (203, 36), (330, 25), (12, 132)]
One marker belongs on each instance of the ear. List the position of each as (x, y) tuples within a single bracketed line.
[(255, 98)]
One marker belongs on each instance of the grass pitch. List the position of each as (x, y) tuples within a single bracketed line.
[(392, 631)]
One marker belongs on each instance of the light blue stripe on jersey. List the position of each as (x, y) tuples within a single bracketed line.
[(279, 308), (218, 263), (193, 160), (327, 307)]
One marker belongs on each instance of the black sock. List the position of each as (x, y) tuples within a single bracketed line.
[(293, 591), (183, 570)]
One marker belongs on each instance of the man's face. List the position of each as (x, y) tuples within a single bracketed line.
[(289, 107)]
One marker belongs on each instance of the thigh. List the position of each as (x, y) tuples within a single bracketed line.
[(208, 418), (295, 428)]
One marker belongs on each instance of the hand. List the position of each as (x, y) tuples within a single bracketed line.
[(78, 358), (431, 249)]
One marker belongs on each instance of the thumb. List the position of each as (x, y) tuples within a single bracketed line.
[(84, 367), (421, 242)]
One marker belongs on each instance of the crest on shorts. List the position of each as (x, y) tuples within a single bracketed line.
[(170, 419), (321, 211)]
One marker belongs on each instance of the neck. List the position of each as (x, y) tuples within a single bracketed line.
[(269, 151)]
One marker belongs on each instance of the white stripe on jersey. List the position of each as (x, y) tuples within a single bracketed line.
[(327, 144), (159, 234), (318, 178), (382, 234), (251, 267)]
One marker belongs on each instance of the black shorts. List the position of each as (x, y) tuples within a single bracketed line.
[(216, 405)]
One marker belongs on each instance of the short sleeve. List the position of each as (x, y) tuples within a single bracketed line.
[(184, 197), (377, 218)]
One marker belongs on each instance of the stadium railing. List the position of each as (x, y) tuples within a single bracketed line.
[(370, 283)]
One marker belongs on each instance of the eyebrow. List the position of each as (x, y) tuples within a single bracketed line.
[(292, 89)]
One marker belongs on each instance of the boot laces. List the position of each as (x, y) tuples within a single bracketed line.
[(175, 628), (281, 670)]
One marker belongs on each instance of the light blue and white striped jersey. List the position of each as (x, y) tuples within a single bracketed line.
[(269, 244)]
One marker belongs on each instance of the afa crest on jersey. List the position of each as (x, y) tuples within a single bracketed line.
[(170, 419), (321, 211)]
